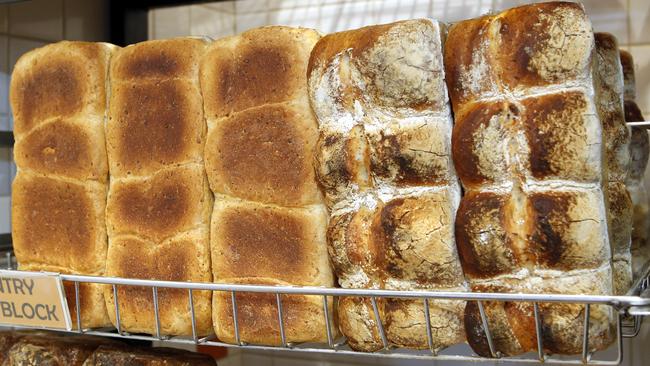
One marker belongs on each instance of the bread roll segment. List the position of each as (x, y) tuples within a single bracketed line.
[(58, 98), (268, 222), (384, 161), (159, 201), (529, 148)]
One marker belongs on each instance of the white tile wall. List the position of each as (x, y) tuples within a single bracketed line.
[(210, 21), (3, 18), (641, 56), (85, 20), (170, 22), (639, 21)]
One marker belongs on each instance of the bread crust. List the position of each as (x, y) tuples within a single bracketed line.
[(58, 97), (384, 162), (534, 152)]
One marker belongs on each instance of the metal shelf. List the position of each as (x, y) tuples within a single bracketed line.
[(630, 308)]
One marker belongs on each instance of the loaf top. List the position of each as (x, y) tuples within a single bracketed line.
[(627, 62), (155, 112), (261, 66), (60, 80), (518, 50)]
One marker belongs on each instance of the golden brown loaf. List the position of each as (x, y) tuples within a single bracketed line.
[(58, 98), (269, 221), (639, 150), (528, 146), (159, 201), (384, 160)]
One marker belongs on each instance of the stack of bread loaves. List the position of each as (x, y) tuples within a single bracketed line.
[(384, 159), (528, 147), (639, 151), (58, 98), (269, 221), (159, 201)]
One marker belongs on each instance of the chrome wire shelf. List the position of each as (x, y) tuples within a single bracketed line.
[(630, 308)]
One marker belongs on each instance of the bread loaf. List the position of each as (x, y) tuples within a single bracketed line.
[(268, 222), (609, 84), (528, 146), (58, 98), (53, 349), (121, 355), (384, 160), (159, 202), (639, 151)]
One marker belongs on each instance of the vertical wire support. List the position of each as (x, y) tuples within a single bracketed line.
[(538, 332), (280, 321), (619, 340), (585, 334), (117, 310), (190, 297), (9, 264), (235, 319), (486, 328), (156, 311), (330, 341), (428, 321), (77, 306), (380, 326)]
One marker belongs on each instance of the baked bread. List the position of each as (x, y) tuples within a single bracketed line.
[(159, 201), (384, 161), (528, 146), (121, 355), (639, 151), (609, 84), (58, 98), (269, 221), (53, 349)]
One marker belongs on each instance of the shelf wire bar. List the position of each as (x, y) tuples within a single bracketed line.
[(585, 335), (235, 317), (486, 329), (156, 311), (190, 298), (330, 341), (538, 332), (428, 322), (117, 310), (77, 306), (380, 326), (283, 337)]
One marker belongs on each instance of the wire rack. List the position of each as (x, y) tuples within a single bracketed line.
[(630, 308)]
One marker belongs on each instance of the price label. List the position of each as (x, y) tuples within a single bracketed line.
[(33, 299)]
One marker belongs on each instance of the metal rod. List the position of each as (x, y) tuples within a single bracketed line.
[(8, 255), (380, 326), (280, 321), (327, 322), (156, 310), (640, 123), (117, 310), (486, 329), (619, 329), (77, 306), (310, 290), (428, 321), (538, 332), (585, 335), (191, 300), (235, 317)]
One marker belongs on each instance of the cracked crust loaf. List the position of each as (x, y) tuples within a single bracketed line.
[(529, 148), (639, 150), (159, 201), (268, 221), (384, 162), (58, 98)]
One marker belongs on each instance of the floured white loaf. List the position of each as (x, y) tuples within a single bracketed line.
[(159, 201), (58, 98), (384, 160), (639, 151), (268, 222), (609, 84), (528, 146)]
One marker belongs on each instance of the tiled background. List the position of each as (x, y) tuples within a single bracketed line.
[(30, 24)]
